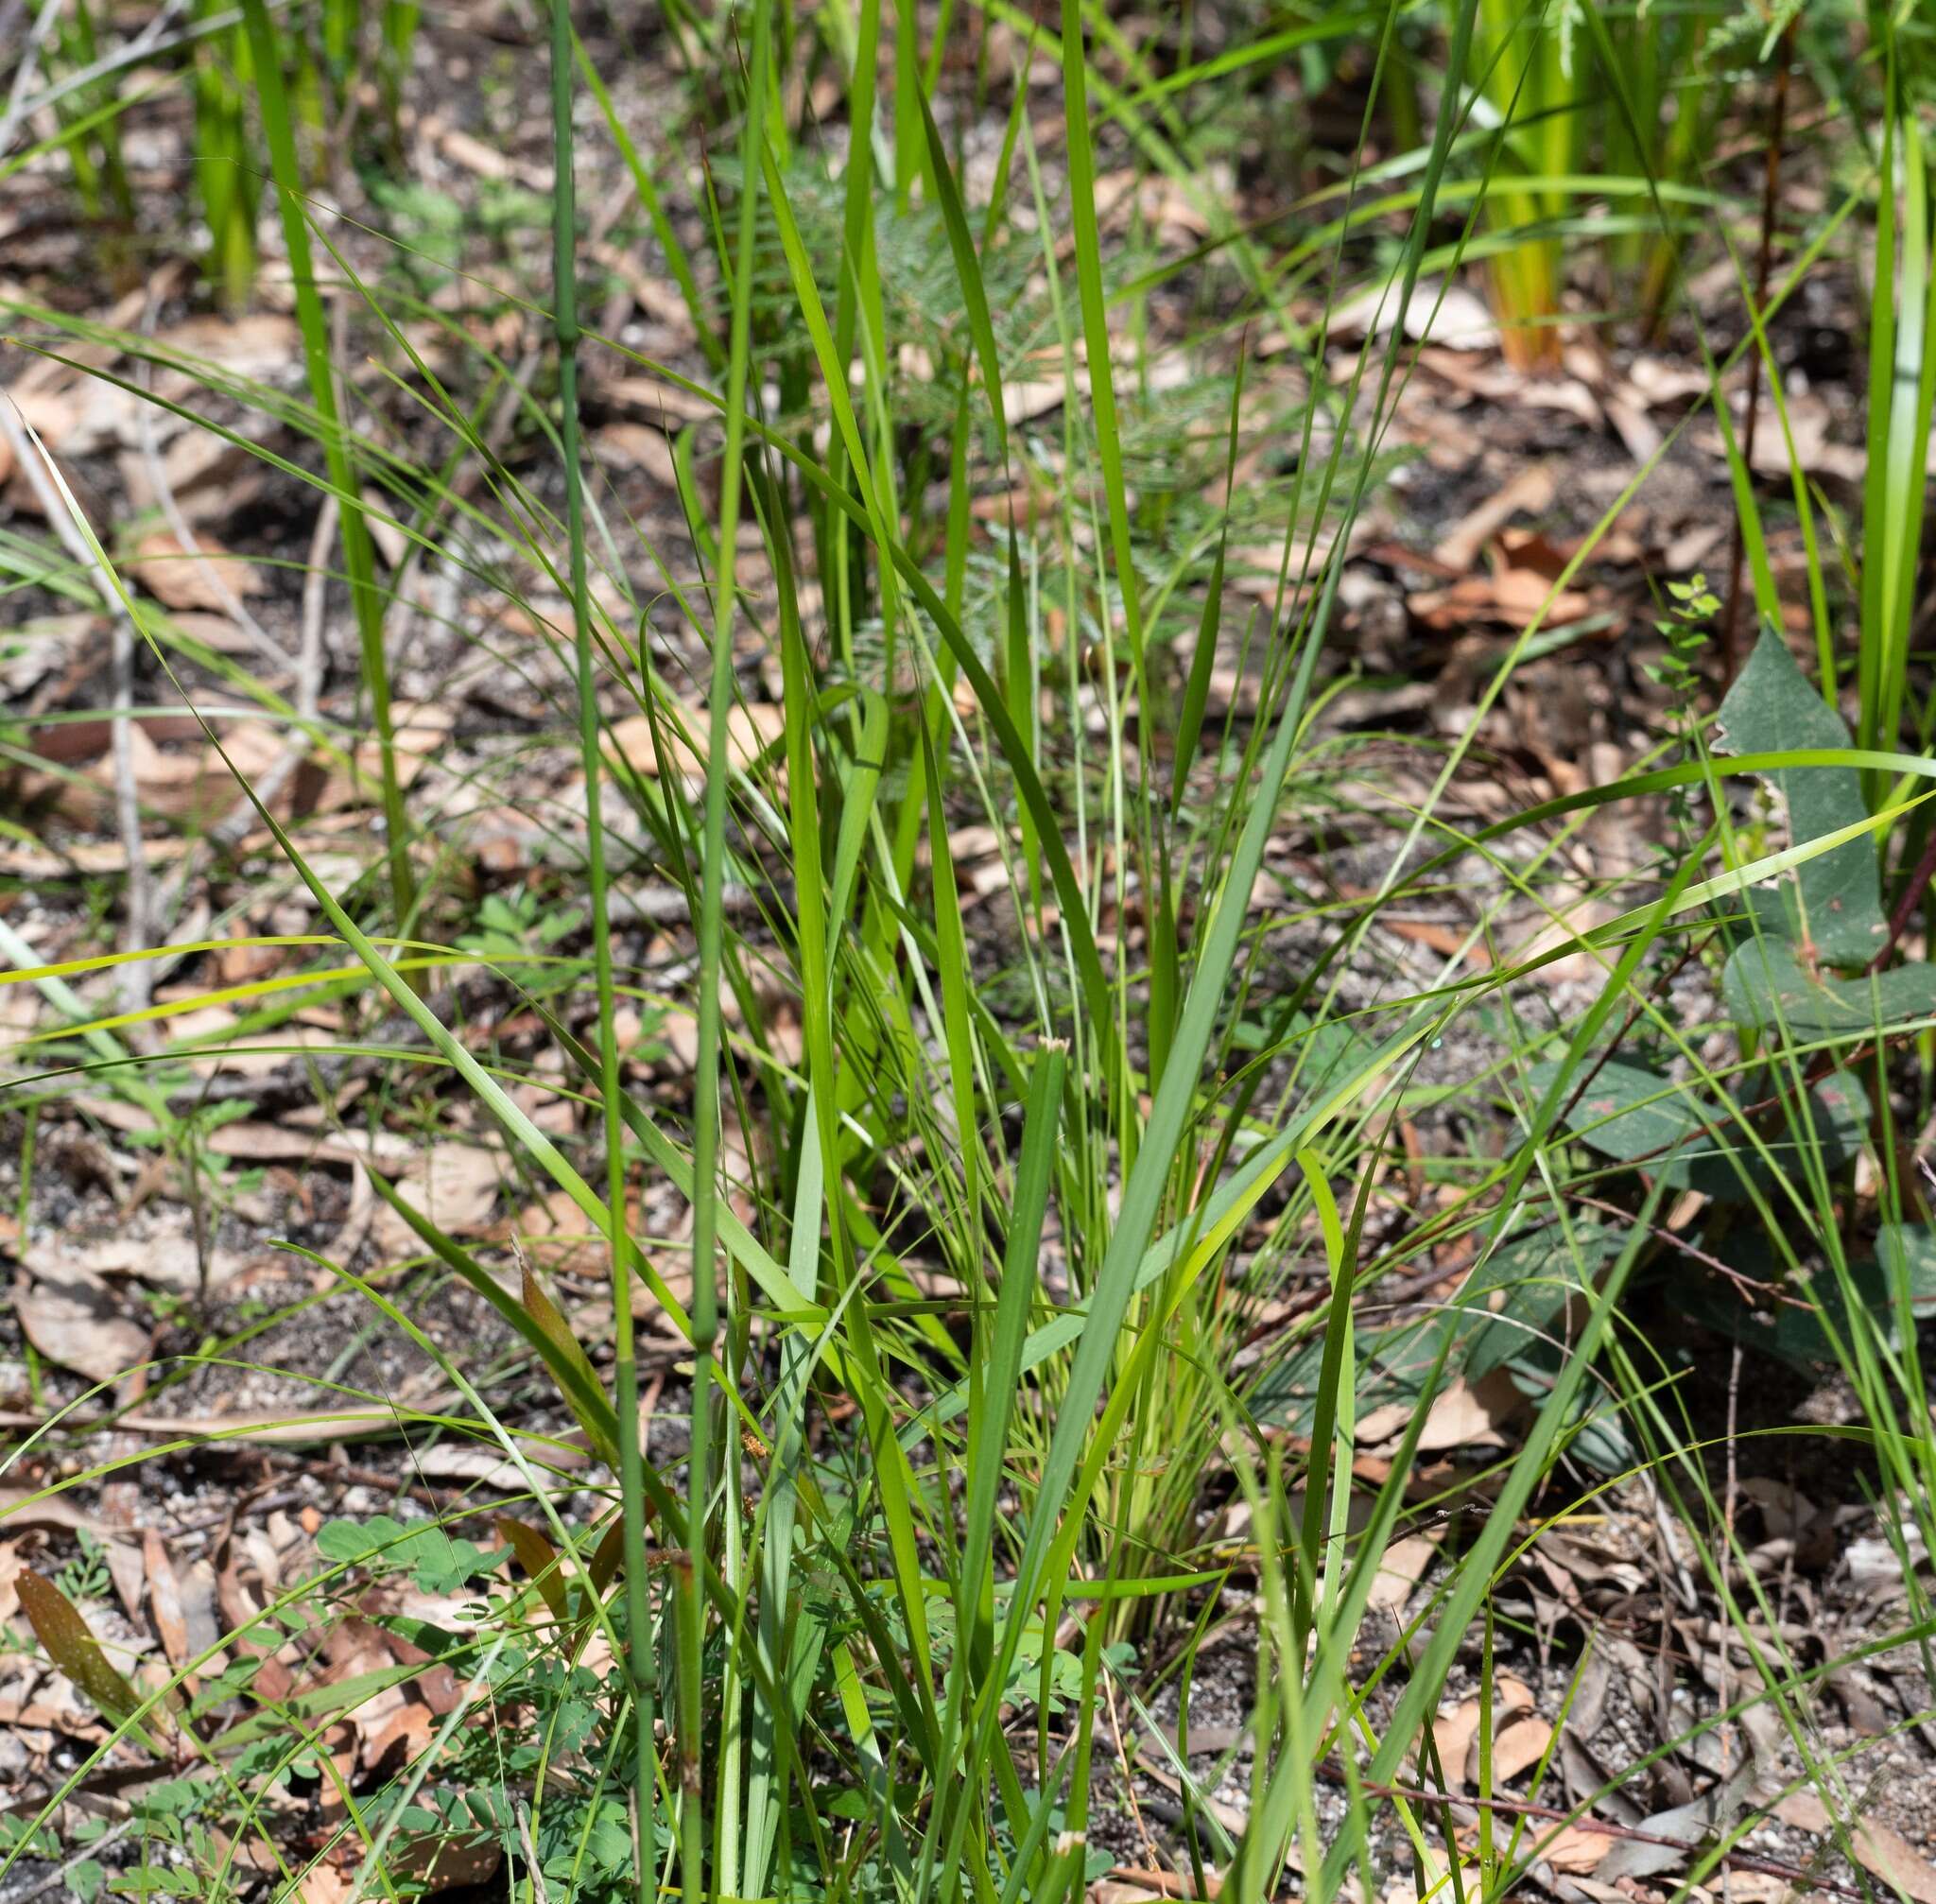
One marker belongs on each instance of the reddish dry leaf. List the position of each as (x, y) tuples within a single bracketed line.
[(1520, 1747), (165, 1599), (538, 1558), (1530, 490)]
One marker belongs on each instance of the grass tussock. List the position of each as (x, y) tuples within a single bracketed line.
[(952, 1218)]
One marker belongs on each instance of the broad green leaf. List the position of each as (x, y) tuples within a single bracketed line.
[(1538, 1273), (1806, 1337), (1766, 986), (1835, 904), (1637, 1116)]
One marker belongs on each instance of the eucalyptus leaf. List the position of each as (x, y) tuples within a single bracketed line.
[(1626, 1112)]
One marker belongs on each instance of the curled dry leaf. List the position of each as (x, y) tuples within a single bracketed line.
[(1521, 584), (165, 1599), (1463, 1414)]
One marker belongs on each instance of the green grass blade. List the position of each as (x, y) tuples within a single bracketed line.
[(358, 552)]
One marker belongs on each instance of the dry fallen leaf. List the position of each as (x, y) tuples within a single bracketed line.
[(658, 400), (165, 1599), (1463, 1415), (1400, 1569), (23, 1508), (1453, 1735), (1448, 315), (11, 1567), (1887, 1853), (325, 1884), (73, 1318), (751, 727), (179, 576), (1530, 492), (1520, 1747), (638, 446), (407, 1730), (262, 346), (420, 731), (1571, 1849), (190, 783), (1516, 589), (165, 1260), (453, 1185)]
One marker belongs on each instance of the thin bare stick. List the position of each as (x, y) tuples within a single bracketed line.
[(31, 457)]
